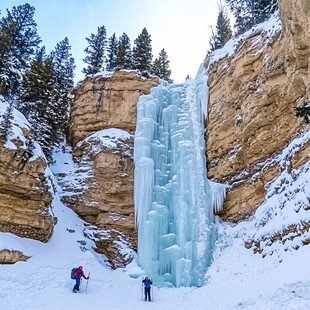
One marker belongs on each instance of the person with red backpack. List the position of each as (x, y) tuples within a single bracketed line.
[(78, 274)]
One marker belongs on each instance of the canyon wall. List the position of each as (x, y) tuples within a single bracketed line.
[(251, 111)]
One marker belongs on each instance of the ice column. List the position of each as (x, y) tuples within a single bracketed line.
[(172, 195)]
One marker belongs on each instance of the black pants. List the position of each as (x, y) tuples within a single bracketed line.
[(147, 293)]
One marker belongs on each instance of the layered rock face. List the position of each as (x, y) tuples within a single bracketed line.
[(107, 199), (251, 112), (107, 102), (25, 199)]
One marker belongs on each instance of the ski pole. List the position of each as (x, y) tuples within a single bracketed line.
[(142, 290), (152, 293), (87, 283)]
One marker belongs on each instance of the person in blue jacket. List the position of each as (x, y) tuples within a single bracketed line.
[(78, 274), (147, 288)]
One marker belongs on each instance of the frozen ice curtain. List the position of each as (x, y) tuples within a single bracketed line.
[(172, 195)]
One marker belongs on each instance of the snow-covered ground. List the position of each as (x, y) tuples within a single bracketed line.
[(237, 279)]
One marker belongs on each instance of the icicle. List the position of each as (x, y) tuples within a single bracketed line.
[(218, 195)]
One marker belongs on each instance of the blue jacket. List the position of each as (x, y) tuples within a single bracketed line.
[(147, 282)]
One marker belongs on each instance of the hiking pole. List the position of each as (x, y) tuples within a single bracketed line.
[(87, 283), (152, 293)]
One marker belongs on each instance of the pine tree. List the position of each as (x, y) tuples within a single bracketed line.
[(112, 53), (6, 122), (37, 94), (95, 52), (251, 12), (161, 66), (223, 30), (46, 95), (142, 52), (19, 41), (37, 85), (212, 41), (63, 66), (30, 146), (124, 54), (9, 72)]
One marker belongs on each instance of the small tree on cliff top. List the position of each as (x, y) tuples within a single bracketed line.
[(124, 53), (161, 66), (112, 52), (95, 52), (142, 52), (6, 123)]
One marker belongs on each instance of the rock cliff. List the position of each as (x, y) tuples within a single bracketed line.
[(25, 197), (107, 101), (102, 121), (251, 113)]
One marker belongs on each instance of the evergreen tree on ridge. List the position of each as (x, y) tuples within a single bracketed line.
[(142, 52), (161, 66), (124, 53), (95, 52), (223, 30), (112, 52)]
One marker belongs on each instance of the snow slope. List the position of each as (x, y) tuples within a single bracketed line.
[(237, 279)]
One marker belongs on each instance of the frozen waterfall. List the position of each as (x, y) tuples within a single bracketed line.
[(173, 208)]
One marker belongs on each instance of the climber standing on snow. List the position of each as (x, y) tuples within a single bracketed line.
[(147, 288), (78, 274)]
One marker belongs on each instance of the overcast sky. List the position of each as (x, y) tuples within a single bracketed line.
[(181, 27)]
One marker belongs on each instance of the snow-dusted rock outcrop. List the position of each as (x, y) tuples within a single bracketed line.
[(25, 192), (104, 198)]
